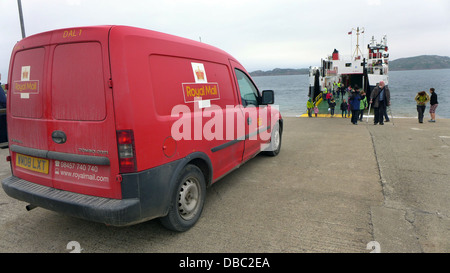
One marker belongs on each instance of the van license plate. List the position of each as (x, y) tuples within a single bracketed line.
[(32, 163)]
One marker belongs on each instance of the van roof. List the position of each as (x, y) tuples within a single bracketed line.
[(60, 36)]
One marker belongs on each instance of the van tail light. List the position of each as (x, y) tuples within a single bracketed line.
[(127, 152)]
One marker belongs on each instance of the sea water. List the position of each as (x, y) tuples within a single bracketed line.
[(291, 92)]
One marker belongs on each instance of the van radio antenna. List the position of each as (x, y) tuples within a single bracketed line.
[(22, 27)]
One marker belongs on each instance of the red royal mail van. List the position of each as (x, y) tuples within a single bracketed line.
[(120, 125)]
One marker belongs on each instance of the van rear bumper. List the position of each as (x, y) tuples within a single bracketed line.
[(98, 209), (146, 195)]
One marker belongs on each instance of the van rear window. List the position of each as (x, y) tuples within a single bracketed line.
[(78, 90), (27, 82)]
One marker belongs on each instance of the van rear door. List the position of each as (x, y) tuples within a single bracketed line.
[(62, 120)]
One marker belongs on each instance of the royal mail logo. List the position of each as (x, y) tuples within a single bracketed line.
[(199, 73), (25, 86), (31, 87), (25, 75), (200, 91)]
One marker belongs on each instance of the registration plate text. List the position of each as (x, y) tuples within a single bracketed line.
[(32, 163)]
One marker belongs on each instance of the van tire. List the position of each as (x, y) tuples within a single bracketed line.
[(275, 141), (187, 200)]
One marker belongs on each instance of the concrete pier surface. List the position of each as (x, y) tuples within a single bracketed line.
[(335, 187)]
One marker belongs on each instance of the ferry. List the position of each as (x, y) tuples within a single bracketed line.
[(364, 70)]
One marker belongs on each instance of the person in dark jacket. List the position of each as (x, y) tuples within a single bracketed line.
[(2, 98), (380, 97), (355, 102), (332, 105), (3, 132), (344, 107), (433, 105)]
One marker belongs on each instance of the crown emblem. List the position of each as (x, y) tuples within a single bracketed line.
[(200, 74)]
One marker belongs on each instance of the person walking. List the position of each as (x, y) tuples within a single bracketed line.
[(355, 101), (341, 89), (344, 107), (328, 97), (380, 97), (324, 93), (433, 105), (421, 98), (316, 110), (362, 106), (309, 107), (332, 105)]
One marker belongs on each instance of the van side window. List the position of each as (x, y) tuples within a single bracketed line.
[(249, 92)]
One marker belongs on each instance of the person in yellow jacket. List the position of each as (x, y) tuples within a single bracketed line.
[(363, 105), (324, 93), (421, 98), (309, 107)]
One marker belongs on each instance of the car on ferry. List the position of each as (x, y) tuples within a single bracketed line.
[(120, 125)]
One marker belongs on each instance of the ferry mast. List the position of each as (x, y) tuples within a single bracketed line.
[(357, 49)]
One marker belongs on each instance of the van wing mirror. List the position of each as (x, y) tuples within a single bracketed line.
[(268, 97)]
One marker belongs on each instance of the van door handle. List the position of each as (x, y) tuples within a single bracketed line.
[(59, 137)]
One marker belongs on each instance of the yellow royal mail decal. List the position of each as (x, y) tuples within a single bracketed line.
[(31, 87), (200, 91)]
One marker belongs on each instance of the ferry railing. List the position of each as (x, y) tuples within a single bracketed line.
[(318, 99), (378, 69)]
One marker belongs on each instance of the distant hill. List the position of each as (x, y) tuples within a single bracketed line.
[(280, 72), (412, 63), (420, 63)]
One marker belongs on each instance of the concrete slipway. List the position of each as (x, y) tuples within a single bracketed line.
[(335, 187)]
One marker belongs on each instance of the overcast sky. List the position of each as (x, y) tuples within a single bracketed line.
[(261, 34)]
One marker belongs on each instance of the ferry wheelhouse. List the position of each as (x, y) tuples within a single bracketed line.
[(362, 70)]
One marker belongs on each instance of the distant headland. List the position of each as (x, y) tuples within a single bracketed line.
[(280, 72), (422, 62)]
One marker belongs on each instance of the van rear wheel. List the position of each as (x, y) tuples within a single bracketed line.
[(187, 202)]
